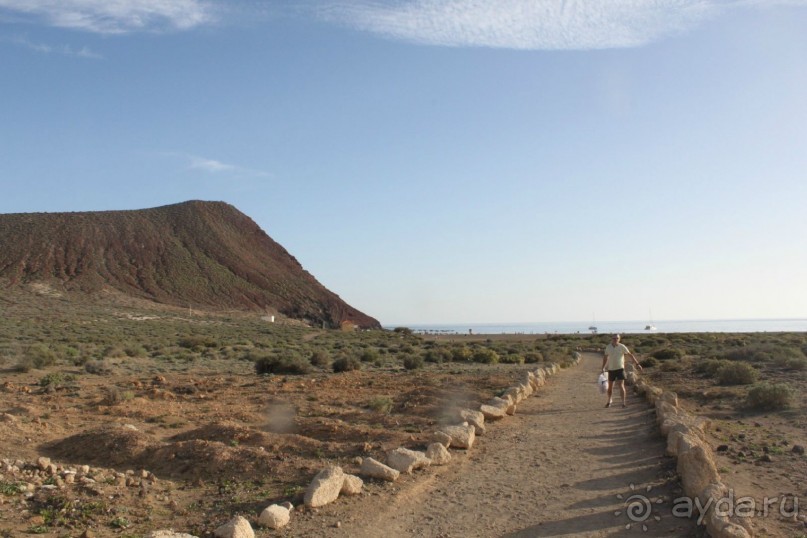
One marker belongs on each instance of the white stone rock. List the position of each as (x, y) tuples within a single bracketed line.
[(475, 419), (438, 454), (325, 487), (352, 485), (274, 517), (442, 438), (405, 460), (492, 413), (376, 469), (238, 527), (461, 436)]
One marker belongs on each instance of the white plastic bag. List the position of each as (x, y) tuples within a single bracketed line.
[(602, 381)]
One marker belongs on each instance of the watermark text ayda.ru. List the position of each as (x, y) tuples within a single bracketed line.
[(731, 506), (639, 507)]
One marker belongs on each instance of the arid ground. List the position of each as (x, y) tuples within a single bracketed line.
[(153, 420)]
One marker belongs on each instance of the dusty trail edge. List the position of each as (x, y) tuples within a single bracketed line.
[(563, 465)]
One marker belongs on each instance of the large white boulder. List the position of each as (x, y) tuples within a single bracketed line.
[(405, 460), (325, 487), (376, 469)]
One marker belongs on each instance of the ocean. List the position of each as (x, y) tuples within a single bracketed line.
[(662, 326)]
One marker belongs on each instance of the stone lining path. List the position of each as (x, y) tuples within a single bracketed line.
[(556, 468)]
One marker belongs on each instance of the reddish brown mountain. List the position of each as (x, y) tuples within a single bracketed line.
[(200, 254)]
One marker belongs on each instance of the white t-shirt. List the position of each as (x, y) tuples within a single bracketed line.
[(616, 356)]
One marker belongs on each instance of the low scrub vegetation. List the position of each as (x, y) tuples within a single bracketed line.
[(346, 364), (770, 397), (290, 363), (737, 374)]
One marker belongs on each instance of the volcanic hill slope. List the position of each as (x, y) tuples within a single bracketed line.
[(199, 254)]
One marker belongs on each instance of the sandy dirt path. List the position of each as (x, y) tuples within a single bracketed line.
[(556, 468)]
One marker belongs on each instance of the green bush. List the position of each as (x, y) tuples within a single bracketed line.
[(531, 357), (413, 362), (796, 363), (461, 354), (649, 362), (710, 367), (671, 366), (113, 395), (369, 355), (512, 358), (485, 355), (196, 343), (433, 355), (320, 358), (290, 363), (737, 374), (668, 354), (764, 353), (346, 364), (36, 356), (381, 404), (135, 351), (56, 379), (98, 367), (770, 397)]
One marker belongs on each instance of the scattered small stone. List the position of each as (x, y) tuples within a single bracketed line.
[(352, 485), (766, 458), (274, 517), (723, 448), (238, 527), (797, 449)]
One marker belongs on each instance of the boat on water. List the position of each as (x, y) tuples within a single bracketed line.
[(650, 326)]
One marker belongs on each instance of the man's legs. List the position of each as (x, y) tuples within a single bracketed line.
[(624, 392), (610, 391)]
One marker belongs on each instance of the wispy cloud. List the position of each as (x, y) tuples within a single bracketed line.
[(113, 16), (44, 48), (532, 24), (210, 165), (213, 166)]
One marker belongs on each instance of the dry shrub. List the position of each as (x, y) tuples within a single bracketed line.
[(346, 364), (770, 397), (737, 374)]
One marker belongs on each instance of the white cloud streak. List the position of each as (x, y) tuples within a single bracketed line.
[(113, 16), (213, 166), (210, 165), (44, 48), (532, 24)]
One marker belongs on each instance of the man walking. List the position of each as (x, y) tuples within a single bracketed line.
[(613, 360)]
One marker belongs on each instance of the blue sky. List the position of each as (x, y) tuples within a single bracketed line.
[(440, 161)]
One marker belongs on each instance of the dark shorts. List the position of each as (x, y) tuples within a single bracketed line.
[(614, 375)]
